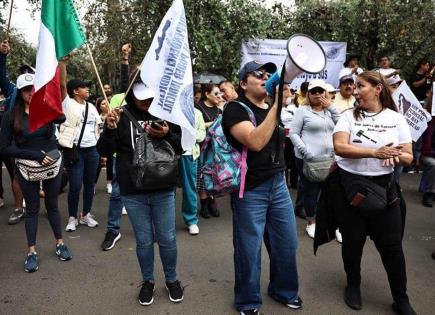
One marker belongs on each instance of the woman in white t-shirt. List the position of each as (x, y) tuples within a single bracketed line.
[(369, 141)]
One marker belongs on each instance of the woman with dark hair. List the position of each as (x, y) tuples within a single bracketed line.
[(151, 210), (369, 141), (208, 106), (16, 141)]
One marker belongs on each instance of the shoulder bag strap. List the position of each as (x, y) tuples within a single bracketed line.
[(133, 120), (84, 125)]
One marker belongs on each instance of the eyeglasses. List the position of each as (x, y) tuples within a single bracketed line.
[(260, 74), (317, 90)]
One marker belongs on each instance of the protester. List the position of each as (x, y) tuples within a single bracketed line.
[(311, 134), (16, 141), (151, 212), (10, 91), (421, 80), (301, 94), (188, 173), (266, 208), (345, 99), (351, 66), (369, 140), (83, 117), (228, 91), (428, 158), (208, 106), (385, 69), (332, 92), (197, 92)]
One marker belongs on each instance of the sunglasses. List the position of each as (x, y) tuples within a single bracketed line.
[(260, 74), (317, 90)]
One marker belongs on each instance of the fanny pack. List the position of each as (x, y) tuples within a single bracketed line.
[(316, 170), (33, 171)]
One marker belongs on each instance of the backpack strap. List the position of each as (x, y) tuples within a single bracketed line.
[(244, 165), (133, 120)]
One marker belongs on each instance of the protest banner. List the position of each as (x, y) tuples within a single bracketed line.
[(410, 107), (275, 50), (167, 70)]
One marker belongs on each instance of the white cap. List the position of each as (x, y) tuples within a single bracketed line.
[(317, 83), (142, 92), (330, 88), (24, 80), (394, 79)]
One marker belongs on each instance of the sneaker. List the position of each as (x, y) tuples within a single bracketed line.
[(32, 262), (88, 220), (311, 229), (175, 291), (63, 252), (296, 304), (72, 224), (213, 208), (193, 229), (110, 240), (250, 312), (352, 297), (109, 188), (403, 308), (16, 216), (2, 202), (124, 211), (146, 293), (338, 236)]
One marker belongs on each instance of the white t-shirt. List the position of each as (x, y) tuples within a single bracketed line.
[(372, 132)]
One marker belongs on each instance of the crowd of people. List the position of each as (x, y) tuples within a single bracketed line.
[(342, 148)]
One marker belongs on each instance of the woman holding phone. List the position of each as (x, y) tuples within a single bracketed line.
[(16, 141)]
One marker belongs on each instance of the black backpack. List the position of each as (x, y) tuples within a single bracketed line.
[(155, 164)]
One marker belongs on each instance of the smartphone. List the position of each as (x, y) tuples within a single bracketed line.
[(53, 154), (157, 123)]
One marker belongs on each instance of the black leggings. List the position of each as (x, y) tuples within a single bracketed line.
[(109, 169), (385, 229), (31, 195), (8, 163)]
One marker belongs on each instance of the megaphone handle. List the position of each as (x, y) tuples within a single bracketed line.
[(276, 153)]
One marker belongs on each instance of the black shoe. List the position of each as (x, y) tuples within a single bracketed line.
[(352, 297), (146, 294), (296, 304), (175, 291), (212, 207), (300, 212), (205, 213), (427, 199), (403, 308), (110, 240), (250, 312)]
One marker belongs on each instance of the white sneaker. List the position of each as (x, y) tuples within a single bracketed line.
[(88, 220), (72, 224), (338, 236), (124, 211), (193, 229), (109, 188), (2, 202), (311, 229)]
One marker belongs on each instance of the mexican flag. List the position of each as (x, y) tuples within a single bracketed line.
[(60, 33)]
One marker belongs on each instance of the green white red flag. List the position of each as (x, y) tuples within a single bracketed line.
[(60, 33)]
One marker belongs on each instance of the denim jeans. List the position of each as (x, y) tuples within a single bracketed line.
[(311, 191), (265, 212), (150, 213), (189, 206), (115, 204), (82, 172)]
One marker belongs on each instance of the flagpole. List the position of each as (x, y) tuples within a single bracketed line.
[(9, 21), (96, 72), (131, 84)]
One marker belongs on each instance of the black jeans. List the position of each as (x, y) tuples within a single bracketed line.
[(31, 195), (385, 229)]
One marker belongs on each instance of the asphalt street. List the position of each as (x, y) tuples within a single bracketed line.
[(97, 282)]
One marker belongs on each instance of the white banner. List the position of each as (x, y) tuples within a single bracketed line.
[(275, 50), (416, 117), (167, 69)]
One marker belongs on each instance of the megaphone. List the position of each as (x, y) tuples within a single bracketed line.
[(304, 54)]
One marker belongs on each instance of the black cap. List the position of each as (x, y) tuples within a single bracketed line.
[(346, 78), (349, 57), (254, 66), (75, 84)]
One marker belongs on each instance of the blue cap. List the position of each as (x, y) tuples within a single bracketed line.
[(252, 66)]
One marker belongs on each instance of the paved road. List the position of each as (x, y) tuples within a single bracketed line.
[(97, 282)]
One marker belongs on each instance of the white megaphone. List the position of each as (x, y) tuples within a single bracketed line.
[(304, 54)]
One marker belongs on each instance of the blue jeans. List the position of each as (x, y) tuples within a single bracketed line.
[(115, 204), (189, 206), (264, 212), (154, 212), (311, 191), (82, 172)]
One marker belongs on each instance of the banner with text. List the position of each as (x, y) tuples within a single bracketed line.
[(275, 50), (416, 117)]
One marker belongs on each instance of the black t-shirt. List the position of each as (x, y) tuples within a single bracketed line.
[(208, 113), (419, 92), (260, 164)]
